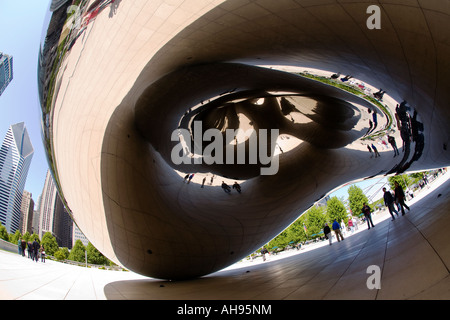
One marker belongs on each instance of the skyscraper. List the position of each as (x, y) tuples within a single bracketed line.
[(53, 217), (6, 71), (16, 153), (27, 209)]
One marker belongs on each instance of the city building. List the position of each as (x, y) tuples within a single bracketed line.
[(16, 153), (78, 235), (53, 217), (6, 71), (27, 210)]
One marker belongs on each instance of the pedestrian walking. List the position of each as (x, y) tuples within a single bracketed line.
[(375, 151), (42, 254), (190, 178), (370, 150), (337, 230), (237, 187), (368, 214), (19, 247), (24, 246), (203, 182), (389, 203), (36, 247), (392, 142), (400, 197), (226, 187), (327, 232)]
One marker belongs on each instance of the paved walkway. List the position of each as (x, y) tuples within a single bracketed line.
[(412, 252)]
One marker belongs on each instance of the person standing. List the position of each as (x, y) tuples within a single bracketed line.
[(389, 203), (24, 246), (375, 150), (327, 232), (400, 197), (337, 230), (42, 254), (237, 187), (367, 213), (350, 225), (226, 187), (391, 140), (36, 247), (19, 246)]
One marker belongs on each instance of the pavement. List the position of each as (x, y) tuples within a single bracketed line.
[(412, 254)]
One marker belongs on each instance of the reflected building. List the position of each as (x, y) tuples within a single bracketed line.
[(16, 153), (137, 84), (53, 216), (27, 210), (6, 71)]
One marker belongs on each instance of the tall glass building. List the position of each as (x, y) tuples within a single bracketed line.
[(16, 153), (6, 71)]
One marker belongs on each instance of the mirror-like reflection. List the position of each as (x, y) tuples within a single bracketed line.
[(179, 148)]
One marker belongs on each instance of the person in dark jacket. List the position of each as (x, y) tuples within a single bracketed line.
[(327, 232), (368, 214), (400, 197), (36, 247), (389, 203)]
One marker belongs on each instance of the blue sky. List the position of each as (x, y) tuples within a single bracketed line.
[(21, 25)]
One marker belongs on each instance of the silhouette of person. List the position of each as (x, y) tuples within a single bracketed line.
[(203, 182), (375, 151), (392, 142), (226, 187), (389, 203), (237, 187), (368, 214), (370, 150), (190, 178), (400, 197), (327, 232)]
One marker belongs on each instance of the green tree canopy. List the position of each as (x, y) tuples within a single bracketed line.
[(315, 219), (403, 180), (356, 199), (15, 238), (49, 243), (62, 253), (77, 252), (336, 210), (94, 256), (3, 233)]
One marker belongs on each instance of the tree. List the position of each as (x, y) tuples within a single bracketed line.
[(336, 210), (15, 238), (94, 256), (49, 243), (77, 252), (315, 219), (356, 199), (62, 254), (403, 180), (3, 233)]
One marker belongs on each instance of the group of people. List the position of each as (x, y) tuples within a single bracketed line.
[(337, 230), (398, 198), (389, 200), (227, 188), (34, 249)]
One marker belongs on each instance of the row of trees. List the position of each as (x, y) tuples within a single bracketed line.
[(77, 253), (310, 224)]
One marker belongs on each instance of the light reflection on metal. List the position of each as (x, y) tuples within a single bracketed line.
[(137, 206)]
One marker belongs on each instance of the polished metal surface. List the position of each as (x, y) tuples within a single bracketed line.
[(137, 96)]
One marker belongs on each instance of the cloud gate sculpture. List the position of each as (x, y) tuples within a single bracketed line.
[(148, 107)]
